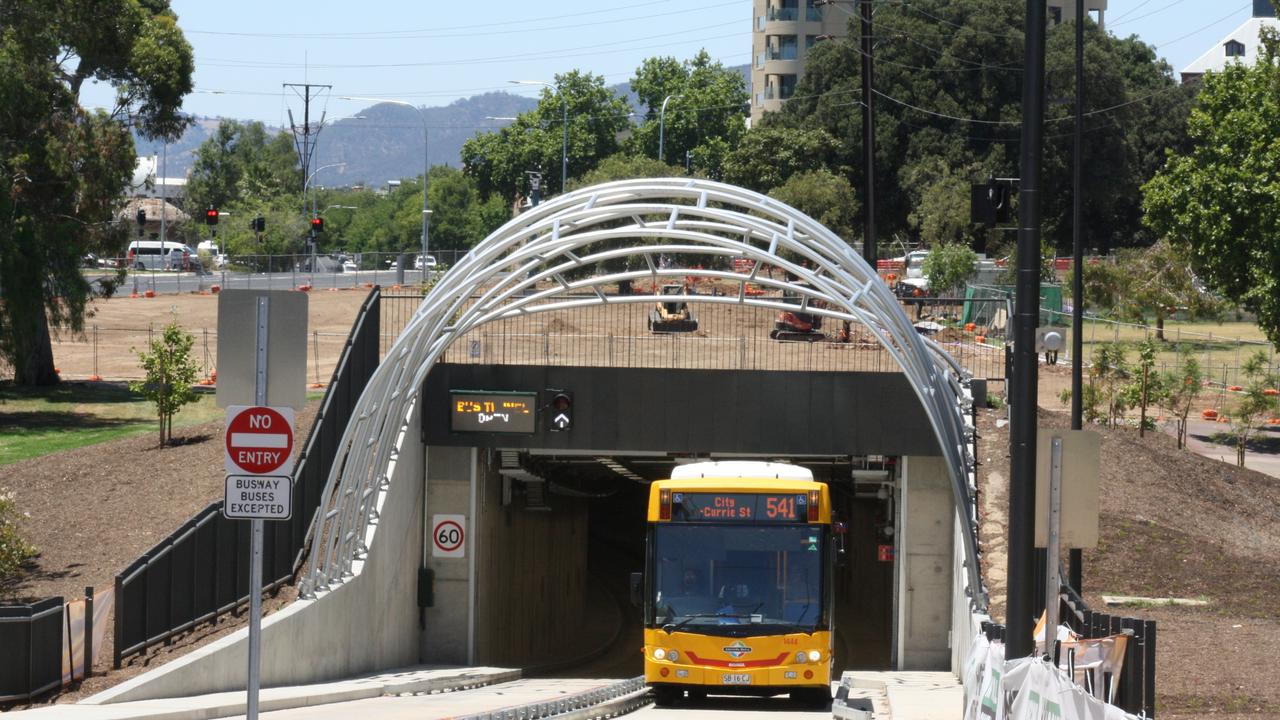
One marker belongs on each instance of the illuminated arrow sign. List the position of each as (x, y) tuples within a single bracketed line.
[(562, 421)]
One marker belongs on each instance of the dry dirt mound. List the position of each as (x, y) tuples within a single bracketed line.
[(95, 509), (1173, 524)]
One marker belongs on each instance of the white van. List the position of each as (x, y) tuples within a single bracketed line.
[(157, 255)]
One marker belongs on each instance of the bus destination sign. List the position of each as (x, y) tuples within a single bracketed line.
[(493, 412), (739, 507)]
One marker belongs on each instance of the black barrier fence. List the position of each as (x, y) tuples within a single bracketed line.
[(31, 642), (1135, 690), (724, 336), (201, 571)]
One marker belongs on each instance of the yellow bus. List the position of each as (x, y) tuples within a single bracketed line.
[(737, 583)]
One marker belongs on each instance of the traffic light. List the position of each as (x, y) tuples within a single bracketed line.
[(258, 224), (561, 411), (317, 225), (141, 217), (211, 216)]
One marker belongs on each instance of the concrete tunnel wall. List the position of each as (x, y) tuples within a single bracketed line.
[(530, 569), (925, 568)]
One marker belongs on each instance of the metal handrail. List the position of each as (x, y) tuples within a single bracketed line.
[(680, 217)]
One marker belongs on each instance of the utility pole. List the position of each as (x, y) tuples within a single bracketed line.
[(1075, 560), (868, 135), (1022, 483), (305, 136)]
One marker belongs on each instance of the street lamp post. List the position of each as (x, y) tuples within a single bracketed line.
[(426, 167), (564, 121), (662, 123)]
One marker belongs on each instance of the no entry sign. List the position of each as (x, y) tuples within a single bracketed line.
[(259, 440)]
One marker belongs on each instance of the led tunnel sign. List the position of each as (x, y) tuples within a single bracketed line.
[(493, 412), (739, 507)]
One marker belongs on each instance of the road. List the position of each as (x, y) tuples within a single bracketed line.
[(733, 708), (170, 283)]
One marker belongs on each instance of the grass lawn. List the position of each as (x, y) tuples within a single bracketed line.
[(40, 421)]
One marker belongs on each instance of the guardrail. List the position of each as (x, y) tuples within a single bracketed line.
[(201, 571)]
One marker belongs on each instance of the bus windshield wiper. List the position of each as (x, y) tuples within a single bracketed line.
[(695, 616)]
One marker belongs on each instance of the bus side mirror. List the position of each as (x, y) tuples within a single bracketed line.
[(637, 589)]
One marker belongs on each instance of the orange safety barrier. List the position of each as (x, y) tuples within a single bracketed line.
[(1209, 414)]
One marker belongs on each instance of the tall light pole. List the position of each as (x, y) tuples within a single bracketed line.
[(426, 167), (564, 121), (662, 123)]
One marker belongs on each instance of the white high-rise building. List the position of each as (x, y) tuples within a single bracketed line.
[(1242, 45)]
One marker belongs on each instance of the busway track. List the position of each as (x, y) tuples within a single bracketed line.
[(613, 700)]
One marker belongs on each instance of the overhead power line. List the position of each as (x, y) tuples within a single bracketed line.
[(473, 31), (612, 47)]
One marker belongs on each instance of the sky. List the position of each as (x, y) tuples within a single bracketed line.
[(431, 52)]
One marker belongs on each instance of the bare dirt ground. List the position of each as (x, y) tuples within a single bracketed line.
[(1173, 524), (122, 324), (93, 510)]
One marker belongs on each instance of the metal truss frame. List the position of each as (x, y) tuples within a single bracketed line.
[(601, 235)]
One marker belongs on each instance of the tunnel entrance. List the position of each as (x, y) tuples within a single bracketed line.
[(563, 531)]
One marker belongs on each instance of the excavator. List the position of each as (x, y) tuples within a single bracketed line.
[(800, 326), (796, 325), (672, 316)]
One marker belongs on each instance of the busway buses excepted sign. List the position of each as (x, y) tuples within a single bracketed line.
[(258, 497)]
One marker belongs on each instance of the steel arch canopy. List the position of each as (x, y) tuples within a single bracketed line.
[(574, 242)]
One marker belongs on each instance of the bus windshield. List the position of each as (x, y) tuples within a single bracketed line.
[(738, 580)]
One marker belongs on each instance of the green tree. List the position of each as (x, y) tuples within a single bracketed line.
[(1156, 281), (170, 373), (63, 168), (948, 267), (1147, 387), (624, 167), (1218, 199), (949, 74), (1182, 387), (1110, 372), (1255, 403), (768, 156), (499, 160), (14, 550), (242, 163), (825, 197), (705, 115)]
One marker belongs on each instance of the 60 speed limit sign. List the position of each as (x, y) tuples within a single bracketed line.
[(448, 536)]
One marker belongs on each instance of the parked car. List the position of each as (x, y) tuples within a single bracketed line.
[(418, 263)]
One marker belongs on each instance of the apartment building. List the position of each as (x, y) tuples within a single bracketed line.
[(1242, 45), (783, 31), (1065, 11)]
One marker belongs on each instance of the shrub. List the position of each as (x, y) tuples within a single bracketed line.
[(13, 549)]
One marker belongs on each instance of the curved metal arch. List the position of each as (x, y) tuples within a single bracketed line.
[(559, 242)]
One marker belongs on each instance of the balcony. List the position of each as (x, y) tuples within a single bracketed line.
[(786, 52), (813, 14), (786, 14)]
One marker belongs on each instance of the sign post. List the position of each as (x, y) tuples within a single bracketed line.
[(259, 439)]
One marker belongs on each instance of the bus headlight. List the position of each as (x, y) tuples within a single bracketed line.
[(800, 656), (659, 654), (672, 655), (814, 656)]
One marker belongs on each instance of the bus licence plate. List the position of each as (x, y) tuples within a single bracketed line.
[(735, 679)]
